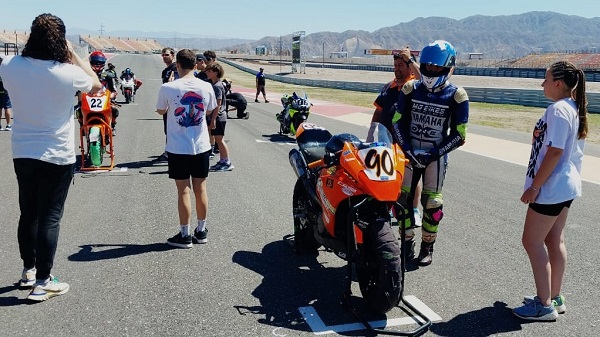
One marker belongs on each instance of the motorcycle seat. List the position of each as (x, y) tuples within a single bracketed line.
[(312, 143)]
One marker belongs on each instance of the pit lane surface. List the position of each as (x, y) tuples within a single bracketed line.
[(125, 281)]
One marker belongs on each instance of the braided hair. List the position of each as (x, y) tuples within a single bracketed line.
[(575, 80)]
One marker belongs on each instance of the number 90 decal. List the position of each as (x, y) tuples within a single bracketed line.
[(379, 162)]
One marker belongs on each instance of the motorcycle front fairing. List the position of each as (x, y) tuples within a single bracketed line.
[(378, 166)]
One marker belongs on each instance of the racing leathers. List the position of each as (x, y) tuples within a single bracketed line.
[(428, 125)]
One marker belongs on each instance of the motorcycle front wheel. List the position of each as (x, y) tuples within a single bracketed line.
[(378, 267), (304, 235)]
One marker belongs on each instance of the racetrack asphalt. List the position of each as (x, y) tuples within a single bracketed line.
[(246, 281)]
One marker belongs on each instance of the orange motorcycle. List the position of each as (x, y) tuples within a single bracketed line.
[(343, 199), (95, 133)]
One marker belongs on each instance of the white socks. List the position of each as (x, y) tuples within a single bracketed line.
[(201, 225), (185, 230)]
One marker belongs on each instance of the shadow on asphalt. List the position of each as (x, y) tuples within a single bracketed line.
[(278, 138), (100, 252), (291, 281), (10, 301), (483, 322)]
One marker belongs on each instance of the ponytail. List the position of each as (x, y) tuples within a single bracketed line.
[(575, 80)]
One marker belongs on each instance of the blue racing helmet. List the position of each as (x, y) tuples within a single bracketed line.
[(438, 53)]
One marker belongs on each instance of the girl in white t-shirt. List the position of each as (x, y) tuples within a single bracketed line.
[(553, 181)]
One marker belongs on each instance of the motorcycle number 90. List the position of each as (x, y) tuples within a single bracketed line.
[(379, 163), (96, 103)]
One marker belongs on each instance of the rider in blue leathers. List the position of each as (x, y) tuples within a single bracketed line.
[(430, 121)]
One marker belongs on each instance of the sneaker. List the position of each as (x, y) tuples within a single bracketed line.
[(212, 155), (47, 289), (534, 311), (216, 149), (418, 218), (558, 302), (266, 101), (1, 128), (220, 166), (27, 278), (256, 100), (8, 127), (180, 241), (200, 237)]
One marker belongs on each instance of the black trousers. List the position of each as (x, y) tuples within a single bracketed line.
[(43, 189)]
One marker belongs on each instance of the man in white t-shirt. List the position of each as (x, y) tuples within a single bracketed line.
[(186, 102)]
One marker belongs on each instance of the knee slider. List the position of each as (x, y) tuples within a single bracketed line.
[(433, 210)]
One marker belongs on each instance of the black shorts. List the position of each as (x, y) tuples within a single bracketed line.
[(551, 210), (219, 130), (182, 166), (5, 101)]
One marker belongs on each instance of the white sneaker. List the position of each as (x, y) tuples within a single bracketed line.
[(418, 220), (27, 278), (47, 289)]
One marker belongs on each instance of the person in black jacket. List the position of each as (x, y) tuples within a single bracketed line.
[(239, 103)]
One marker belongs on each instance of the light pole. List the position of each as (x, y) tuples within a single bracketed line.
[(323, 64)]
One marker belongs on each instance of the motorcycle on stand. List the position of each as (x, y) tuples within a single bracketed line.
[(296, 109), (344, 197), (95, 132), (128, 89)]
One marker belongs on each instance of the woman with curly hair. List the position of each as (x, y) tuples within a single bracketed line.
[(42, 82)]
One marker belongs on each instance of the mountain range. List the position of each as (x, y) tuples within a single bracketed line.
[(505, 36)]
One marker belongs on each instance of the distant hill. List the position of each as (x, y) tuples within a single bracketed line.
[(503, 36), (171, 39)]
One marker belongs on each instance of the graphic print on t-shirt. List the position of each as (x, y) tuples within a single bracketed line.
[(192, 112), (539, 133)]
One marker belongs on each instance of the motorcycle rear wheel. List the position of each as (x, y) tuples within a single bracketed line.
[(304, 235), (378, 268), (95, 153)]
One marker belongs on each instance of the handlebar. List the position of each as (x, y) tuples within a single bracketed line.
[(316, 164), (328, 160)]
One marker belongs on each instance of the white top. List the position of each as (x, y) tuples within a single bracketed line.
[(187, 100), (557, 128), (42, 94)]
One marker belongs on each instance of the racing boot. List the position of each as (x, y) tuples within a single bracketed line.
[(426, 254), (408, 250)]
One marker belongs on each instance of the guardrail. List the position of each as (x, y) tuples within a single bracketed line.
[(525, 97)]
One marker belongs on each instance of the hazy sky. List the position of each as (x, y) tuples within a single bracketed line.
[(254, 19)]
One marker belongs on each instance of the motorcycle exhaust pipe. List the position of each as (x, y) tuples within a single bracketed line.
[(300, 167), (298, 163)]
